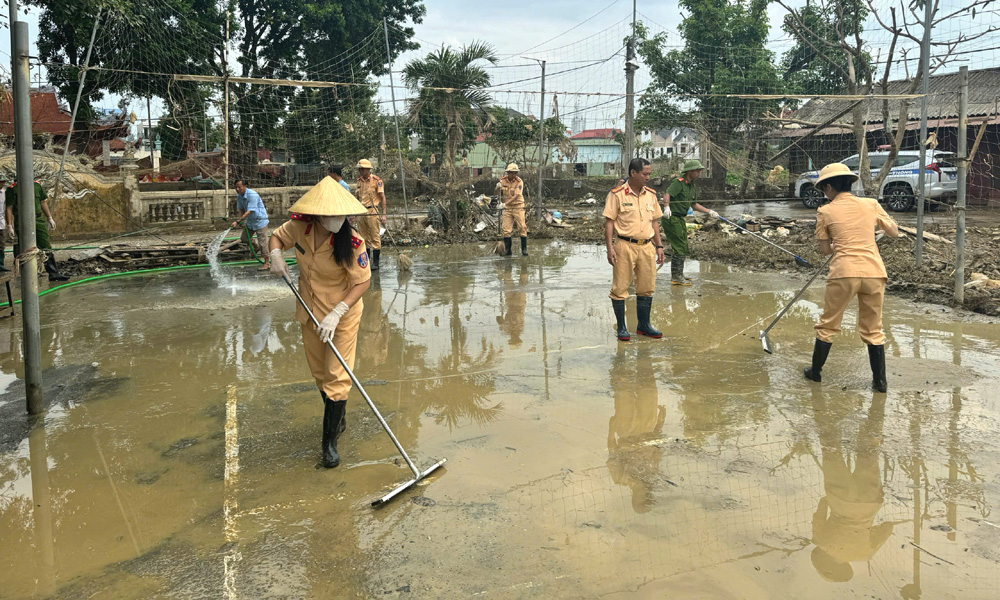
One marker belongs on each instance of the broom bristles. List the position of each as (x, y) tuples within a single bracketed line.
[(404, 262)]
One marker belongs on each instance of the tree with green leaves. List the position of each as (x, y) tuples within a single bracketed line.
[(724, 55), (514, 137), (810, 67), (451, 82)]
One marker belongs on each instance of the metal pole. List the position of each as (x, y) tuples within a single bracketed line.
[(630, 68), (541, 144), (395, 117), (925, 61), (26, 216), (149, 131), (76, 105), (963, 171), (225, 116)]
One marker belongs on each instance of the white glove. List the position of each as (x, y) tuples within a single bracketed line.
[(328, 327), (666, 212), (713, 214), (52, 224), (10, 231), (278, 266)]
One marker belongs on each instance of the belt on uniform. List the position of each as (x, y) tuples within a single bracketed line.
[(637, 242)]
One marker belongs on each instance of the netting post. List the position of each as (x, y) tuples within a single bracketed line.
[(225, 117), (30, 325), (76, 106), (541, 144), (395, 117), (963, 173), (925, 61), (630, 68)]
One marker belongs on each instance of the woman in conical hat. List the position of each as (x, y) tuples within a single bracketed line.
[(333, 275)]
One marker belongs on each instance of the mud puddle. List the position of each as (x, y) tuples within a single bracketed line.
[(180, 456)]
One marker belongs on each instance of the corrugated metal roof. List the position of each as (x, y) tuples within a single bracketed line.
[(984, 89)]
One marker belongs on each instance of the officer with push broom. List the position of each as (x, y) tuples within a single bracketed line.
[(632, 235), (333, 275), (511, 190), (845, 229), (680, 197), (371, 192)]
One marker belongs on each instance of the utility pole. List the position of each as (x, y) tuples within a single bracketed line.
[(925, 61), (225, 117), (631, 66), (395, 116), (963, 172), (541, 145), (30, 325)]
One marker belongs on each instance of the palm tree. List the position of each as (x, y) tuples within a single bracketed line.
[(451, 83)]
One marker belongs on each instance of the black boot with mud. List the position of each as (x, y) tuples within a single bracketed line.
[(876, 358), (643, 306), (333, 426), (506, 246), (622, 333), (820, 351), (53, 271), (677, 272), (375, 258), (524, 246)]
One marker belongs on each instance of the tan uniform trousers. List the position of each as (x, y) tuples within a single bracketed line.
[(870, 292), (368, 226), (633, 260), (323, 364), (512, 217)]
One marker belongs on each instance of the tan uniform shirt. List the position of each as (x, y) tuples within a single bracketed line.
[(323, 282), (511, 192), (633, 214), (368, 191), (850, 223)]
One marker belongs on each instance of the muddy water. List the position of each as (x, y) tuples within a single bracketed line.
[(180, 456)]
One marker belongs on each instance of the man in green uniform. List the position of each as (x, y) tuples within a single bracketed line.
[(43, 222), (680, 197)]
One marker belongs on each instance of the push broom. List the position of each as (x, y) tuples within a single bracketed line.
[(798, 259), (417, 474)]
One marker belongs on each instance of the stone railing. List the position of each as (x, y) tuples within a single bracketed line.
[(204, 205)]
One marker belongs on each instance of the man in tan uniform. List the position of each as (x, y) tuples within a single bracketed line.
[(846, 228), (632, 213), (511, 190), (371, 193)]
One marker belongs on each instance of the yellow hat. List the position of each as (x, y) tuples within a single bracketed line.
[(512, 167), (328, 199), (835, 170), (364, 163)]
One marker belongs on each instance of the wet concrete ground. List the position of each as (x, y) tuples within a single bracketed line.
[(180, 456)]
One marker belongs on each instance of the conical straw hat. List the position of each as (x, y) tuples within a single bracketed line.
[(328, 199)]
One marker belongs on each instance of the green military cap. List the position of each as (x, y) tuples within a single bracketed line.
[(692, 164)]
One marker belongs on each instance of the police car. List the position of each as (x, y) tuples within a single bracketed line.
[(940, 185)]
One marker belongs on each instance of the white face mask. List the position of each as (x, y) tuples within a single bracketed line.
[(332, 224)]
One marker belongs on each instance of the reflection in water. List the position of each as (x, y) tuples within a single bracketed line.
[(633, 460), (513, 301), (842, 526), (42, 506), (373, 334)]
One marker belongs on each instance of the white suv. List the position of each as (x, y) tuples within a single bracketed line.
[(940, 185)]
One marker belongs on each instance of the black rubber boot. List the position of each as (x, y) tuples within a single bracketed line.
[(375, 257), (333, 426), (619, 307), (643, 304), (876, 358), (677, 272), (524, 246), (52, 270), (506, 245), (820, 351)]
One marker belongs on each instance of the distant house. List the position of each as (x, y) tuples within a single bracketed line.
[(597, 152), (812, 147), (671, 141), (48, 116)]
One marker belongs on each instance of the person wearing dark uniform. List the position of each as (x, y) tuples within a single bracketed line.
[(681, 195), (511, 190), (371, 192), (43, 224), (333, 275), (632, 235), (845, 228)]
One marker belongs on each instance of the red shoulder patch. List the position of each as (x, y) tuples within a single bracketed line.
[(356, 242), (619, 188), (680, 179), (649, 188), (299, 217)]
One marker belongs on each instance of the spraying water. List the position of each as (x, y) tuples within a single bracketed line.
[(223, 280), (226, 280)]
